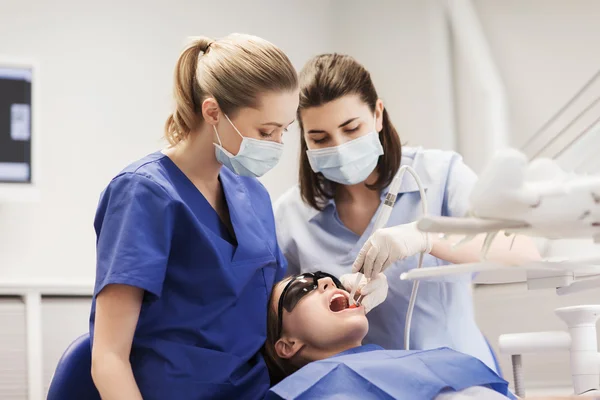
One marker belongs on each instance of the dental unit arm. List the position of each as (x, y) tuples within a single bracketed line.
[(521, 197), (570, 210), (381, 221)]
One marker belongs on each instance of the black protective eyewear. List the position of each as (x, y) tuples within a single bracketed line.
[(297, 288)]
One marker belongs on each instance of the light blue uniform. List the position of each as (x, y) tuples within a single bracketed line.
[(314, 240)]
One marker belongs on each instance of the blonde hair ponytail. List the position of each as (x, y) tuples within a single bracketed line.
[(184, 118), (234, 71)]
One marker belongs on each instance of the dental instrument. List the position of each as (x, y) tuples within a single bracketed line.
[(382, 218)]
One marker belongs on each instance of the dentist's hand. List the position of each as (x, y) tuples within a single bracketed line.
[(374, 292), (389, 245)]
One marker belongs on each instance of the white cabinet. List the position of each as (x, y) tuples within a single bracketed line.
[(13, 354), (63, 320)]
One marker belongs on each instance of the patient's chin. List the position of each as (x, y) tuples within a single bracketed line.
[(356, 328), (338, 333)]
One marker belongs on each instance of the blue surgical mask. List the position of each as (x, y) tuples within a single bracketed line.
[(349, 163), (255, 157)]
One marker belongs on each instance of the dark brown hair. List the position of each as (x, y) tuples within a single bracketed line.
[(326, 78), (279, 368)]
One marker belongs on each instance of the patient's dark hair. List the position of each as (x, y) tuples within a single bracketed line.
[(279, 368)]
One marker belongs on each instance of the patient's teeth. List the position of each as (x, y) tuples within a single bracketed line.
[(335, 296)]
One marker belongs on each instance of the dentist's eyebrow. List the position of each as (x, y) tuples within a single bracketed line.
[(347, 122), (277, 124), (316, 131)]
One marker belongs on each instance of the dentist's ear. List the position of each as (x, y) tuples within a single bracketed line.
[(210, 111), (287, 348), (379, 108)]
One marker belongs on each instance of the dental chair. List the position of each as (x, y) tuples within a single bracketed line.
[(72, 379)]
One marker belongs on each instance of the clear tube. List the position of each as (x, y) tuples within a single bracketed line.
[(415, 288), (382, 220)]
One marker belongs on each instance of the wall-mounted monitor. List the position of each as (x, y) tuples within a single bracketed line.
[(19, 136)]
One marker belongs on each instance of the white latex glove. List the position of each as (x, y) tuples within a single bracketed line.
[(374, 291), (388, 245)]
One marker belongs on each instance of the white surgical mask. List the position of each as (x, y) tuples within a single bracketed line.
[(255, 157), (349, 163)]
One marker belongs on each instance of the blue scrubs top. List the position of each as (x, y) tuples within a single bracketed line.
[(203, 319), (369, 372), (314, 240)]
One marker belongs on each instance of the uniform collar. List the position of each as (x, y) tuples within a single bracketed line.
[(408, 184)]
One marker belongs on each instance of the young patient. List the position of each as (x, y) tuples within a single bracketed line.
[(313, 332)]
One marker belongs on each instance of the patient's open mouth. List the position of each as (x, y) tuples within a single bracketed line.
[(338, 302)]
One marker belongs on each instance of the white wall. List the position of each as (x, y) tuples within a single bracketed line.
[(404, 44), (106, 72), (545, 51)]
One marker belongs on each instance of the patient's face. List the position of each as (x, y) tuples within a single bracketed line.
[(321, 320)]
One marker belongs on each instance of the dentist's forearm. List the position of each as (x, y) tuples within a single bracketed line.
[(114, 378), (117, 313), (523, 249)]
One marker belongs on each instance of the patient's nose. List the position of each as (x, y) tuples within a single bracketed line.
[(325, 284)]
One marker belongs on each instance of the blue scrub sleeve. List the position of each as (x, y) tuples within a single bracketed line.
[(459, 185), (134, 226)]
